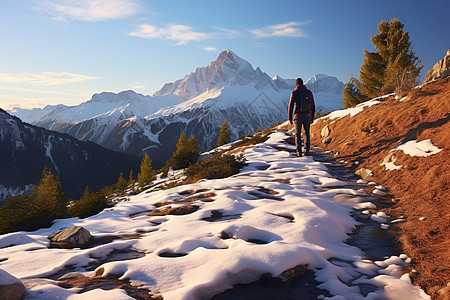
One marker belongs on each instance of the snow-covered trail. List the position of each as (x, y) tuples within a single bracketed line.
[(279, 212)]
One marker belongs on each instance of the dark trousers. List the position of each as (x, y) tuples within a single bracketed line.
[(304, 121)]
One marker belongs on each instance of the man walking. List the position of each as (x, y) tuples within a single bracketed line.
[(303, 107)]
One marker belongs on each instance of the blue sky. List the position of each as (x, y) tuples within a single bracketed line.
[(63, 51)]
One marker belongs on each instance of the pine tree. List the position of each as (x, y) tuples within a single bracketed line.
[(121, 183), (352, 95), (394, 46), (393, 66), (146, 174), (131, 180), (224, 135), (371, 75), (187, 152), (50, 198), (89, 204)]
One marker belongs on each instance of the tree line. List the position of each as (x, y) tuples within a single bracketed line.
[(47, 200)]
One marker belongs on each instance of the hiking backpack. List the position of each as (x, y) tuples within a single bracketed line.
[(303, 102)]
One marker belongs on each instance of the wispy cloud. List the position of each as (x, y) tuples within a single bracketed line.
[(89, 10), (212, 49), (291, 29), (36, 91), (44, 78), (181, 34)]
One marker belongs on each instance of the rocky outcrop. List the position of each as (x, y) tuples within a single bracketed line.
[(72, 237), (440, 69), (11, 288)]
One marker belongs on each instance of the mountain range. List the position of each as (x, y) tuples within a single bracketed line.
[(25, 149), (228, 89)]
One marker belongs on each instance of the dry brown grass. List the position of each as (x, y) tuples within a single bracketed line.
[(421, 185)]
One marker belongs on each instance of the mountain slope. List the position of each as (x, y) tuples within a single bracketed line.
[(404, 142), (278, 218), (25, 150), (228, 89)]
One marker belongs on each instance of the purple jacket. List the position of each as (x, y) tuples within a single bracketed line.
[(301, 87)]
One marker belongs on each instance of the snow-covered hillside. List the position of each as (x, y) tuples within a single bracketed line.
[(279, 212), (229, 89)]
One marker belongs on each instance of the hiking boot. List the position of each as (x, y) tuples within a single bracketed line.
[(299, 154), (307, 153)]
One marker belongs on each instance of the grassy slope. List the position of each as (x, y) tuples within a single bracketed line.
[(421, 186)]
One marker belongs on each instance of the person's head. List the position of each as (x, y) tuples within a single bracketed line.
[(298, 81)]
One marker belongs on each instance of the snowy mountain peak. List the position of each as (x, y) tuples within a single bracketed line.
[(325, 83), (227, 70), (125, 96)]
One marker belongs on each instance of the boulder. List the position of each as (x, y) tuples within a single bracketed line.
[(11, 288), (364, 173), (72, 237), (440, 69), (325, 132)]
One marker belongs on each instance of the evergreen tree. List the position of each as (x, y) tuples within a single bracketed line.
[(50, 199), (352, 95), (393, 45), (393, 66), (89, 204), (131, 180), (371, 75), (224, 135), (121, 183), (187, 152), (146, 174)]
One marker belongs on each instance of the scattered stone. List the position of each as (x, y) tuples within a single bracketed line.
[(444, 293), (379, 193), (295, 272), (382, 214), (73, 237), (421, 218), (381, 188), (364, 173), (327, 140), (84, 284), (11, 288), (71, 275), (384, 226), (325, 131), (215, 215), (440, 69), (180, 210), (398, 220), (378, 219)]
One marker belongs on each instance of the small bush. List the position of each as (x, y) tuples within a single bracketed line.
[(214, 167)]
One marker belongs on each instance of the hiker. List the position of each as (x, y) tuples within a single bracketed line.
[(302, 106)]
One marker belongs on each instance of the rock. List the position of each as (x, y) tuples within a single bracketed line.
[(444, 293), (11, 288), (288, 275), (440, 69), (327, 140), (180, 210), (71, 275), (364, 173), (325, 132), (72, 237)]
